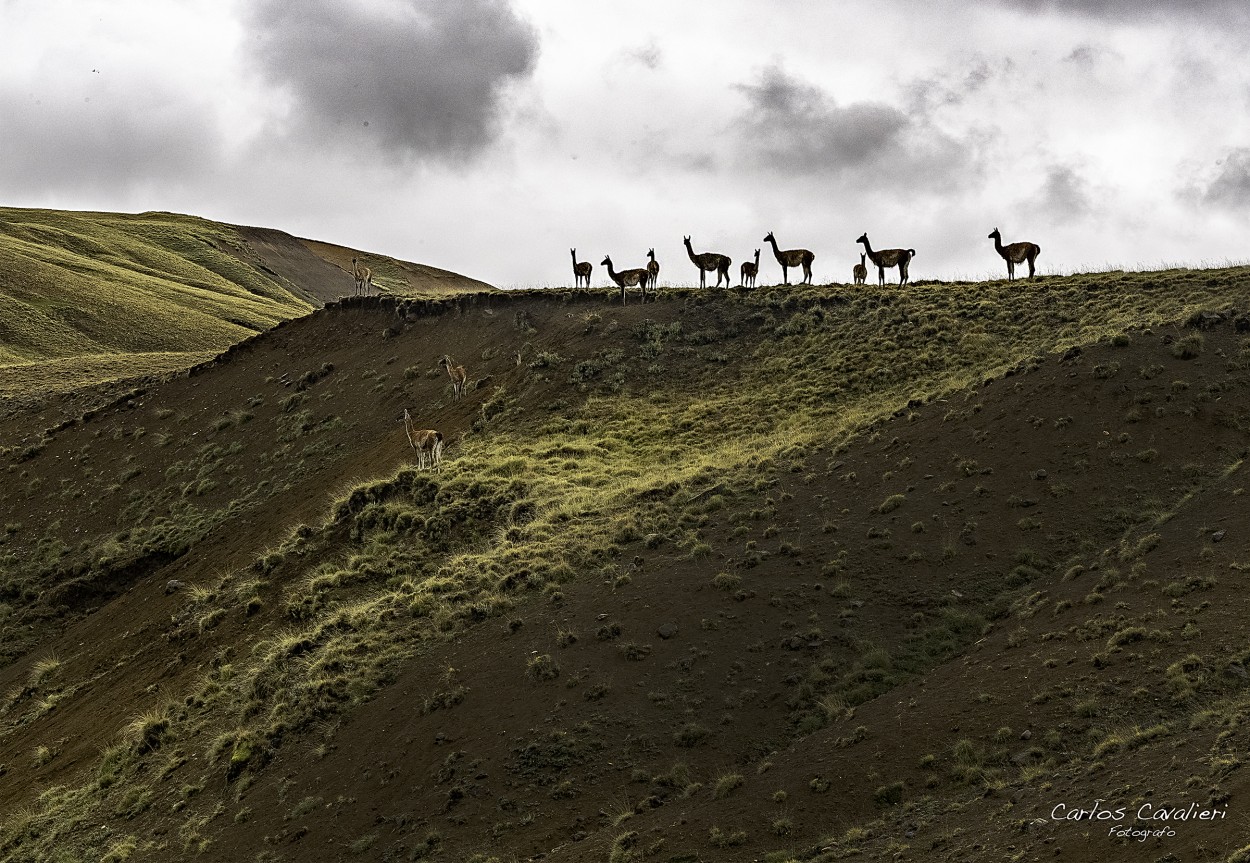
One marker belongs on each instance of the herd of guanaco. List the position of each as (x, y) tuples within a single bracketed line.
[(648, 276), (715, 262)]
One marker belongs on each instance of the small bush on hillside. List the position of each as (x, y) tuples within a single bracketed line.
[(1189, 347), (545, 360), (624, 848), (892, 503), (691, 734), (587, 370), (721, 839), (726, 785), (888, 795), (542, 667)]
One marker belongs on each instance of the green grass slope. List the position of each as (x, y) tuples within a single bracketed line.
[(91, 297), (94, 283), (809, 573)]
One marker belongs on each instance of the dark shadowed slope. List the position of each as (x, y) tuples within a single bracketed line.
[(810, 574)]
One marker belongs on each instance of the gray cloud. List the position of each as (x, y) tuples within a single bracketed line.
[(1231, 186), (793, 127), (648, 56), (417, 79), (958, 83), (1065, 195), (1088, 55), (68, 142), (1200, 10), (978, 76)]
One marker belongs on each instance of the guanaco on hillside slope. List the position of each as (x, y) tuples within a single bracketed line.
[(786, 573)]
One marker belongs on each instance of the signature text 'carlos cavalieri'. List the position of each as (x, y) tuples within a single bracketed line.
[(1149, 815)]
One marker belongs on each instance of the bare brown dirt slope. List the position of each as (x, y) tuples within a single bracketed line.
[(612, 750), (915, 642)]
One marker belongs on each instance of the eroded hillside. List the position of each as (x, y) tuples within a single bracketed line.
[(811, 573)]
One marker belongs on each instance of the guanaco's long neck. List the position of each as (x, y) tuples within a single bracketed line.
[(868, 249), (690, 251), (776, 251), (998, 243)]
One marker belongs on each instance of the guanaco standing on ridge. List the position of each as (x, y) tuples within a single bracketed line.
[(708, 261), (1016, 253), (363, 276), (459, 377), (750, 271), (427, 442), (581, 271), (627, 277), (792, 258), (860, 271), (653, 270), (888, 258)]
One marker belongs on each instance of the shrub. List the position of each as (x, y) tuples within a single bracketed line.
[(690, 735), (542, 667), (1189, 347), (721, 839), (726, 785), (634, 652), (891, 503), (888, 795), (546, 359)]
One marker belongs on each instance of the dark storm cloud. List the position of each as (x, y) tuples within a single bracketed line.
[(792, 127), (416, 78), (71, 143), (1231, 186)]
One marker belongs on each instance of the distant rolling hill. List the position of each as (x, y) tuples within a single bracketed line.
[(91, 297)]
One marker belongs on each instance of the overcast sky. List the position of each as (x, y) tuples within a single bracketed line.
[(490, 136)]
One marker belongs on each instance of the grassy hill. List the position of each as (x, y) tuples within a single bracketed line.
[(91, 297), (779, 574)]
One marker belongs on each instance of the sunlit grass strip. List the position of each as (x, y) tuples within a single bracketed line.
[(25, 377)]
